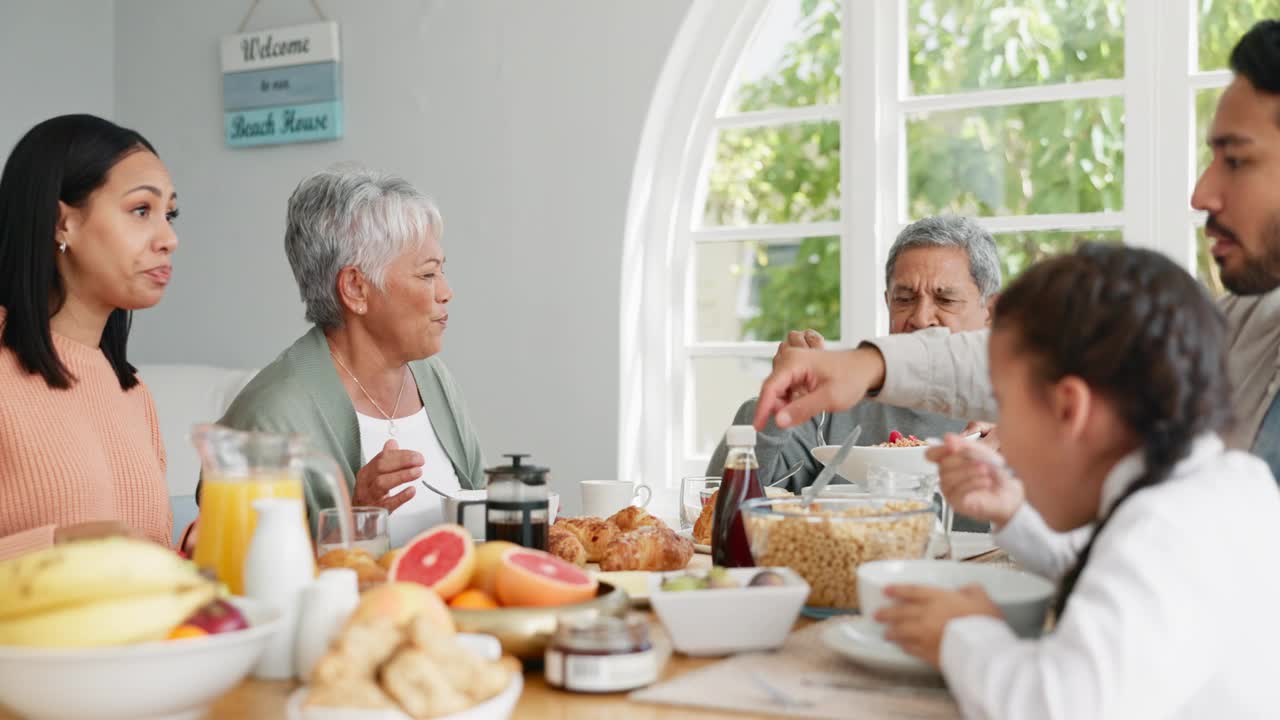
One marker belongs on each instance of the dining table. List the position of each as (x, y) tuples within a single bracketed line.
[(255, 699)]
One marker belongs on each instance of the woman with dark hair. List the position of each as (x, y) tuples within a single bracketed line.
[(86, 237), (1109, 373)]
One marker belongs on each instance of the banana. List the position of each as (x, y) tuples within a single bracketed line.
[(88, 571), (117, 621)]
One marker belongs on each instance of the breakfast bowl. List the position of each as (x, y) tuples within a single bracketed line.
[(826, 542), (907, 460), (723, 620), (1023, 598), (525, 631), (162, 680)]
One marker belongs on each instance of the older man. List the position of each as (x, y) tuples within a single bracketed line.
[(947, 373), (942, 271)]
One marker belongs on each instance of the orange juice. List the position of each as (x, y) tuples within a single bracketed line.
[(227, 520)]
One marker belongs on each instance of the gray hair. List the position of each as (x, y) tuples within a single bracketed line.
[(952, 231), (351, 216)]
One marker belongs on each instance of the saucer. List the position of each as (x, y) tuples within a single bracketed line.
[(862, 641)]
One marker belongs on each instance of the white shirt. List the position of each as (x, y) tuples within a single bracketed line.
[(414, 432), (1176, 615)]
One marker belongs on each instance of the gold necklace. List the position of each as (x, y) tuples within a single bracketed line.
[(391, 422)]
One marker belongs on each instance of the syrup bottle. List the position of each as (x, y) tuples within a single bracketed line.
[(741, 482)]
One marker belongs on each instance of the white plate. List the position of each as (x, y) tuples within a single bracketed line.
[(698, 547), (964, 545), (862, 641), (497, 708)]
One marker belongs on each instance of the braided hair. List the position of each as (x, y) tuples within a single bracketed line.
[(1140, 331)]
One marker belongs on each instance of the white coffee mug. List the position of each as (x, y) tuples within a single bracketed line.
[(471, 505), (602, 498)]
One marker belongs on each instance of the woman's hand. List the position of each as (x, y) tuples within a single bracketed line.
[(973, 481), (93, 530), (389, 469), (806, 382), (916, 622)]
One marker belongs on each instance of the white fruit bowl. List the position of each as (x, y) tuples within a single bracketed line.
[(167, 680), (706, 623)]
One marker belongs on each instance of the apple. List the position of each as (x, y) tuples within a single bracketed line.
[(218, 616)]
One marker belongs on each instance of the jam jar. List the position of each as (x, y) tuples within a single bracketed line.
[(593, 653)]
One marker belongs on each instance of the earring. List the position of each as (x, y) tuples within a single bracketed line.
[(62, 247)]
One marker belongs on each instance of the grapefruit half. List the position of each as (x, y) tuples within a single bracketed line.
[(441, 558), (532, 578)]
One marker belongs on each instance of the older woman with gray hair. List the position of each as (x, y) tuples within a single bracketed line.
[(942, 271), (364, 383)]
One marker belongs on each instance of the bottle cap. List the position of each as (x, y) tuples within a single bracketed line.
[(740, 435)]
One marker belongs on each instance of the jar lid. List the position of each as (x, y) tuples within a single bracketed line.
[(527, 474)]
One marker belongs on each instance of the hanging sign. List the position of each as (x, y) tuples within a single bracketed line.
[(282, 85)]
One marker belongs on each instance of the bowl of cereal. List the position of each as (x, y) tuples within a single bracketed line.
[(900, 454), (826, 542)]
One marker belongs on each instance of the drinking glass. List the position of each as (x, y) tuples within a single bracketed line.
[(917, 486), (368, 532), (695, 492)]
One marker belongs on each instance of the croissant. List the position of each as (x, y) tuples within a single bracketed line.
[(594, 534), (633, 518), (702, 527), (565, 545), (651, 548)]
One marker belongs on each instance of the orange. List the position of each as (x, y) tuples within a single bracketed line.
[(532, 578), (389, 558), (185, 631), (488, 558), (473, 600)]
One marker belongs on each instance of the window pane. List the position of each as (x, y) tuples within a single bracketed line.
[(720, 385), (792, 61), (1206, 266), (781, 174), (1223, 22), (959, 45), (1056, 157), (1019, 251), (1206, 105), (754, 291)]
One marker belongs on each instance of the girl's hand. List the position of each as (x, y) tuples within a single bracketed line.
[(916, 622), (972, 479)]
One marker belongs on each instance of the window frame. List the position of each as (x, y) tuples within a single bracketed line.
[(1161, 79)]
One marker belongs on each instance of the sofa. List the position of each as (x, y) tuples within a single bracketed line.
[(187, 395)]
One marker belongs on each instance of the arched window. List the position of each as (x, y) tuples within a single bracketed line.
[(789, 141)]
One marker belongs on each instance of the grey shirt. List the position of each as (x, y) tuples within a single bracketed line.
[(780, 450)]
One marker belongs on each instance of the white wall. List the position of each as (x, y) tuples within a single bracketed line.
[(55, 58), (521, 118)]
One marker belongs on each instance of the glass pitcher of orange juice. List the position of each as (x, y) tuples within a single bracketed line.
[(239, 467)]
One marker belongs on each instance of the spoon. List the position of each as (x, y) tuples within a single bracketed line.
[(829, 471), (790, 474), (777, 695)]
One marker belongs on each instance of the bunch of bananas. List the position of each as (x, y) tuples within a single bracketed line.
[(112, 591)]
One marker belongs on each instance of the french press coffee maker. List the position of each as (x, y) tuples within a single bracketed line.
[(516, 505)]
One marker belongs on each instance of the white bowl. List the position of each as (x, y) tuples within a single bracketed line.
[(908, 460), (497, 708), (172, 679), (731, 620), (1023, 598)]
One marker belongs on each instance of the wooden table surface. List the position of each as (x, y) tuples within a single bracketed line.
[(263, 700)]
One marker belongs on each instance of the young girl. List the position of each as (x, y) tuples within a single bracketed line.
[(1108, 369)]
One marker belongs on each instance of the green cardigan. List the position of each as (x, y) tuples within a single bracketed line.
[(300, 392)]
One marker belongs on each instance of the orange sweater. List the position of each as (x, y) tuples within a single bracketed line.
[(92, 452)]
